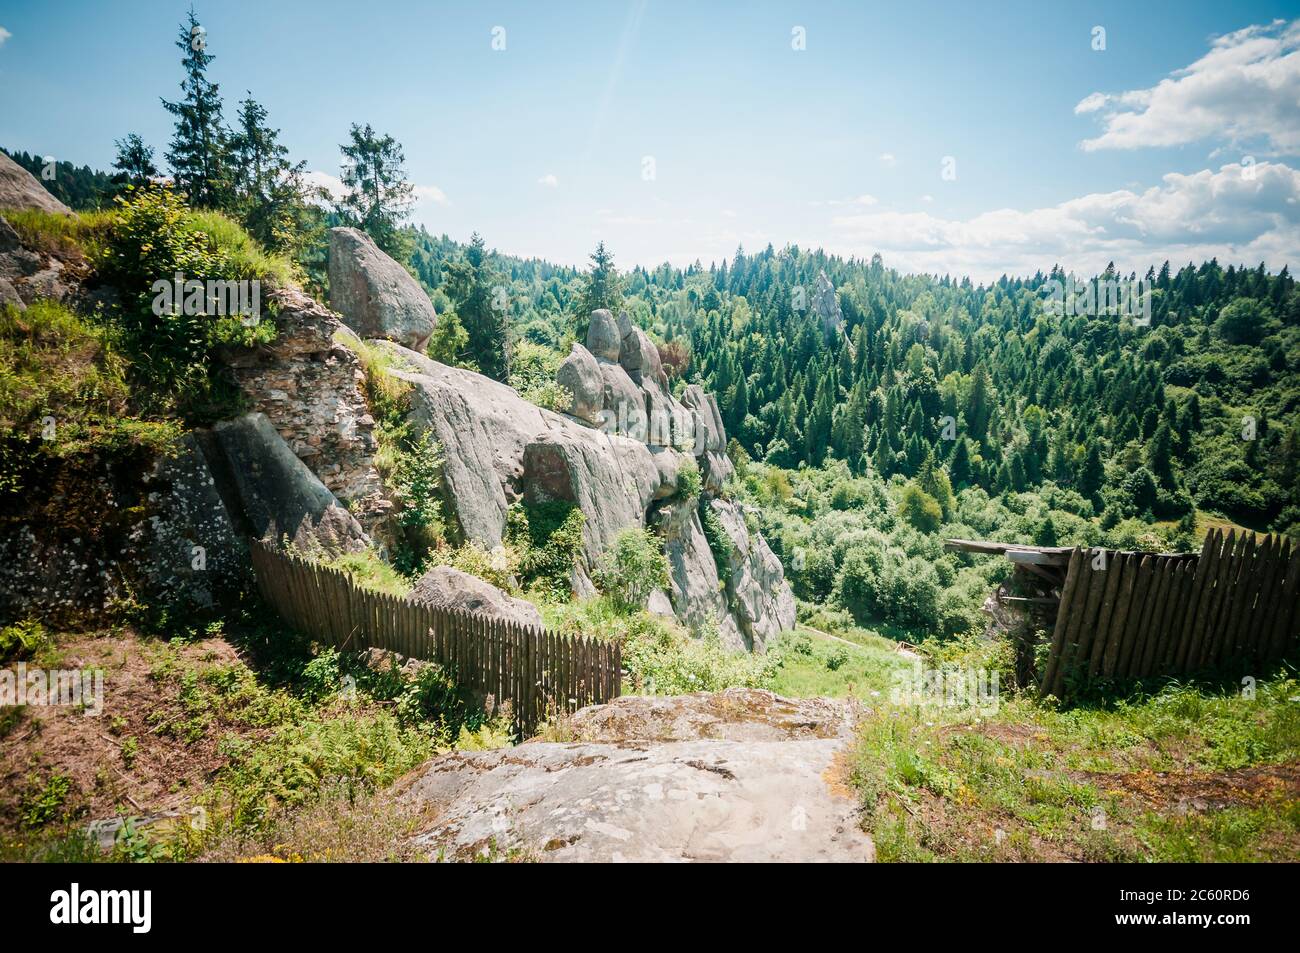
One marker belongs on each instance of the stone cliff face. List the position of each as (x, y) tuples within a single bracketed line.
[(309, 387), (300, 464)]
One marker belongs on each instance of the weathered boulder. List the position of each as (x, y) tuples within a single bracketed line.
[(483, 427), (710, 437), (611, 479), (826, 304), (623, 403), (603, 337), (308, 384), (376, 296), (580, 375), (27, 274), (448, 588), (761, 600), (277, 493), (669, 464), (20, 189), (697, 595), (640, 358), (741, 775), (497, 447)]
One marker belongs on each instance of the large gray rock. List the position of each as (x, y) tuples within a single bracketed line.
[(697, 594), (611, 479), (741, 775), (20, 189), (826, 304), (710, 437), (603, 337), (760, 598), (497, 447), (277, 493), (377, 297), (448, 588), (640, 358), (580, 375), (623, 403)]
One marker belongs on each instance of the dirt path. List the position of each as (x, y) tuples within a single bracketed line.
[(740, 775)]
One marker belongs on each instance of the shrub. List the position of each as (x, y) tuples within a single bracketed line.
[(689, 481), (548, 538), (633, 568), (920, 509), (154, 236)]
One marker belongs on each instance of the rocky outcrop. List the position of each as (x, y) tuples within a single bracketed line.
[(604, 340), (27, 274), (826, 304), (741, 775), (710, 443), (697, 594), (760, 598), (278, 496), (195, 550), (579, 374), (376, 296), (20, 189), (448, 588), (752, 602), (308, 385), (611, 479), (497, 447)]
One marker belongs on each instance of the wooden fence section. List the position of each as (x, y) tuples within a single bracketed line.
[(1151, 614), (537, 671)]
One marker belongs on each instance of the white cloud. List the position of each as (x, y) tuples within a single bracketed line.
[(887, 159), (927, 199), (549, 180), (863, 199), (4, 35), (1247, 87), (333, 185), (1186, 218), (330, 183), (1091, 103), (430, 193)]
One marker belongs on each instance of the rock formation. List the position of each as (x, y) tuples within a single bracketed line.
[(278, 495), (376, 296), (27, 274), (309, 386), (826, 304), (761, 601), (449, 588), (20, 189), (740, 775)]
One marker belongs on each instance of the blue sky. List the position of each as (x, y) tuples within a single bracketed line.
[(1062, 152)]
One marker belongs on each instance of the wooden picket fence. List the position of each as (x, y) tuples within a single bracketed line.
[(1130, 615), (536, 670)]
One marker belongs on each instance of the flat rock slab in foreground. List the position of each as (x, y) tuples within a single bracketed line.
[(740, 775)]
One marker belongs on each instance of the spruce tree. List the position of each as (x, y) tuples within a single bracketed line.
[(197, 155), (472, 284), (377, 197)]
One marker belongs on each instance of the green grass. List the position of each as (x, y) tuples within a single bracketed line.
[(864, 669), (1191, 773), (60, 235)]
